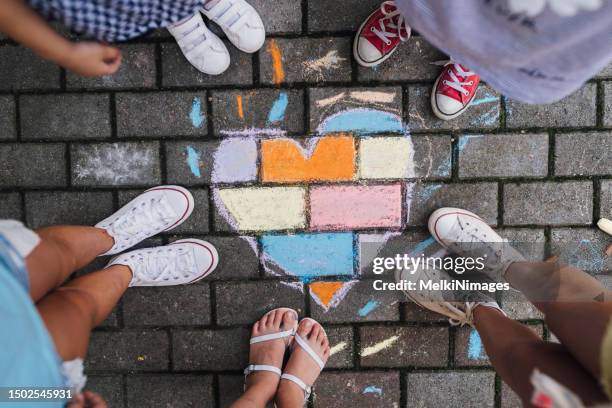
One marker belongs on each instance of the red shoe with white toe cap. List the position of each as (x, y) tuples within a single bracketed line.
[(453, 91)]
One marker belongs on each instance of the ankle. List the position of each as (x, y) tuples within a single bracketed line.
[(261, 387), (289, 395)]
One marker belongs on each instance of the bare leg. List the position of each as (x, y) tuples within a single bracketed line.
[(515, 350), (71, 311), (62, 251)]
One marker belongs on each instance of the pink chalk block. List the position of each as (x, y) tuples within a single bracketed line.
[(354, 207)]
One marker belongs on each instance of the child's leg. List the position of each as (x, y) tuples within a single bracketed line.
[(515, 350), (71, 311), (61, 251)]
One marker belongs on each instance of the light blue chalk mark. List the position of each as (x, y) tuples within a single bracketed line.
[(372, 390), (486, 99), (428, 191), (310, 256), (422, 246), (475, 350), (193, 161), (196, 115), (277, 112), (586, 256), (368, 308), (362, 121), (465, 139)]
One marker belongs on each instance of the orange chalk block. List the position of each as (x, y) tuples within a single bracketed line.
[(285, 161)]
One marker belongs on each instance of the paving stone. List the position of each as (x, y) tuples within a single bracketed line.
[(33, 165), (33, 72), (327, 102), (166, 306), (605, 200), (341, 343), (137, 70), (281, 16), (310, 60), (177, 71), (557, 203), (65, 116), (606, 72), (411, 62), (432, 156), (469, 350), (128, 350), (112, 320), (263, 296), (67, 208), (351, 308), (483, 114), (210, 350), (197, 223), (517, 307), (238, 257), (575, 110), (503, 155), (371, 389), (584, 154), (472, 389), (242, 112), (424, 198), (8, 121), (583, 248), (110, 387), (115, 164), (407, 346), (531, 242), (161, 114), (170, 390), (415, 313), (10, 206), (346, 15), (607, 119), (190, 163), (509, 399)]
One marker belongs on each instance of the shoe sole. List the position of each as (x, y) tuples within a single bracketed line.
[(361, 61), (434, 104), (210, 248), (436, 216)]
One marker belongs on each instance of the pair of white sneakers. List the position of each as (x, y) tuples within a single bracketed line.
[(465, 234), (157, 210), (203, 49)]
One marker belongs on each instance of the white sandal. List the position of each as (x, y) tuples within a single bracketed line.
[(306, 347), (269, 337)]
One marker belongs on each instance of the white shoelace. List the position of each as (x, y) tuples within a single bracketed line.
[(149, 216), (164, 263), (390, 21), (455, 82)]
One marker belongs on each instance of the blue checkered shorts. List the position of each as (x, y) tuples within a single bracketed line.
[(115, 20)]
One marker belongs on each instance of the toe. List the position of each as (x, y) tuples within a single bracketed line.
[(314, 333), (289, 319), (255, 330), (278, 318), (321, 337), (305, 328)]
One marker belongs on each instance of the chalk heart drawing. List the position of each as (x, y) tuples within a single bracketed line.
[(311, 200)]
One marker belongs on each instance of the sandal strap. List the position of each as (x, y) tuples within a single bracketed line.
[(261, 367), (306, 347), (272, 336), (307, 388)]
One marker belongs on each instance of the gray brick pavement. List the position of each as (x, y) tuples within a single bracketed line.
[(72, 149)]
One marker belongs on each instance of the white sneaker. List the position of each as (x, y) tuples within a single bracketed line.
[(202, 48), (156, 210), (179, 263), (458, 306), (468, 235), (239, 21)]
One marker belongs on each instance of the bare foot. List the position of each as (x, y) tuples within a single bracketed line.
[(261, 385), (302, 365)]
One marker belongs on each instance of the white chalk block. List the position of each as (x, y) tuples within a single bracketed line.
[(605, 225)]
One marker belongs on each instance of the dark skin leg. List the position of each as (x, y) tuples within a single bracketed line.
[(515, 351)]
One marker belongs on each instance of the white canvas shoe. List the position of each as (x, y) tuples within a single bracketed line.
[(202, 48), (156, 210), (468, 235), (179, 263), (239, 21)]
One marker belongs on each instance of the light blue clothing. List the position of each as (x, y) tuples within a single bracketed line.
[(534, 51), (27, 354)]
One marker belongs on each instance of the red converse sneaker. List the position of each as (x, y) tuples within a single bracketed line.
[(379, 35), (453, 91)]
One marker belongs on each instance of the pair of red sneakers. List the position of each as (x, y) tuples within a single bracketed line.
[(380, 35)]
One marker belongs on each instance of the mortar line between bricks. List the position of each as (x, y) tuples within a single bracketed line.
[(403, 382), (304, 7), (500, 204), (124, 389), (552, 141), (112, 109), (170, 350), (596, 200), (498, 391), (599, 104), (216, 390), (68, 167), (62, 79)]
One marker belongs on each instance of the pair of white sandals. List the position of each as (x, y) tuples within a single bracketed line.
[(299, 342)]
